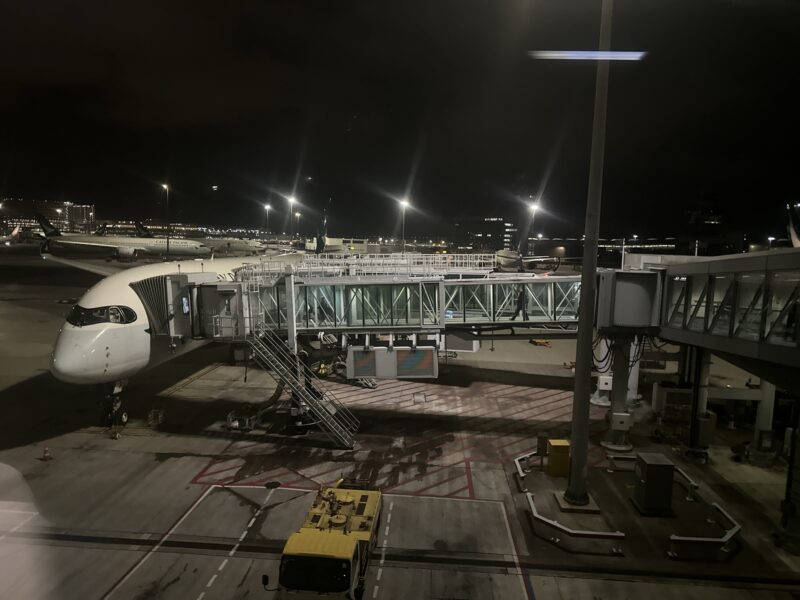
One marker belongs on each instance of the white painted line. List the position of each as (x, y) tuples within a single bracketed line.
[(222, 564), (514, 550), (163, 539), (389, 519), (233, 550), (383, 555), (212, 580), (375, 592), (250, 524), (241, 537), (391, 505), (380, 572), (201, 596), (386, 532), (18, 525)]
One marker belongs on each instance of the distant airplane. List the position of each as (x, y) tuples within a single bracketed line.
[(13, 236), (513, 261), (226, 245), (121, 246)]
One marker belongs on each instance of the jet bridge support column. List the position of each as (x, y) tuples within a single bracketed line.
[(291, 310), (764, 415), (619, 417)]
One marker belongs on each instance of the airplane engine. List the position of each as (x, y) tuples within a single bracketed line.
[(127, 253)]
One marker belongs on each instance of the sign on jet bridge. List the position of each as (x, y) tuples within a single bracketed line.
[(395, 363)]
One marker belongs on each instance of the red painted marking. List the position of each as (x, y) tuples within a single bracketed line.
[(454, 494), (233, 468), (470, 487), (418, 491)]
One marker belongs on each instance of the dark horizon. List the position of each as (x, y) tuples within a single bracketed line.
[(375, 101)]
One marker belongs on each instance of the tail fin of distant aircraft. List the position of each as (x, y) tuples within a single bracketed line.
[(101, 230), (794, 226), (322, 233), (141, 230), (47, 226)]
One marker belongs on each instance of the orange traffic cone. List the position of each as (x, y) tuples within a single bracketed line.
[(46, 455)]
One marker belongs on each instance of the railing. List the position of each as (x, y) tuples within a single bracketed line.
[(572, 534), (705, 548), (409, 264), (329, 413)]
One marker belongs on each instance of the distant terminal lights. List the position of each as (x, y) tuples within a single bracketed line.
[(66, 216)]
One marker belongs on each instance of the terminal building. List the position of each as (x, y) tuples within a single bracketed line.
[(485, 234), (66, 216)]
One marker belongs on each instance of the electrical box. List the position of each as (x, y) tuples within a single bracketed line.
[(604, 382), (628, 299), (557, 458), (652, 492), (621, 421)]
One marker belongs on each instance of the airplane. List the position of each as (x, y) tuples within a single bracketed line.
[(225, 245), (13, 236), (110, 336), (121, 246)]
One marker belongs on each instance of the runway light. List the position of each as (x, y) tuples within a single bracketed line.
[(586, 55), (215, 187)]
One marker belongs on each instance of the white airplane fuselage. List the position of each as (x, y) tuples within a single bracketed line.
[(106, 338), (150, 246)]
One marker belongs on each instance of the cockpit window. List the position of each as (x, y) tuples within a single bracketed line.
[(80, 316)]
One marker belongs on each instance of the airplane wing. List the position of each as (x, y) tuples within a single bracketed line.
[(97, 267)]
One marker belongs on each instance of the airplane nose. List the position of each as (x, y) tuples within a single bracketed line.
[(70, 362)]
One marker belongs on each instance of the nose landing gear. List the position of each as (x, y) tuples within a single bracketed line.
[(115, 417)]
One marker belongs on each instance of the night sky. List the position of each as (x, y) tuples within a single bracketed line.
[(103, 101)]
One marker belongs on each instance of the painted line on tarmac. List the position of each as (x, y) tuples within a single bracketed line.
[(383, 549), (150, 552), (526, 592)]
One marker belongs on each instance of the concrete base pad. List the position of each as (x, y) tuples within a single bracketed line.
[(590, 508), (617, 447)]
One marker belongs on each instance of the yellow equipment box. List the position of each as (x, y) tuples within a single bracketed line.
[(557, 458)]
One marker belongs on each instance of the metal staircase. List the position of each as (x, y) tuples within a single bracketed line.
[(332, 417)]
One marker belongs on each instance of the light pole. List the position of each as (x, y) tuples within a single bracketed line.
[(166, 192), (577, 492), (770, 239), (403, 206), (534, 208), (267, 208), (297, 215), (291, 200)]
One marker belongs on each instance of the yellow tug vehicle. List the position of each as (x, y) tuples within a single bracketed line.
[(329, 555)]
